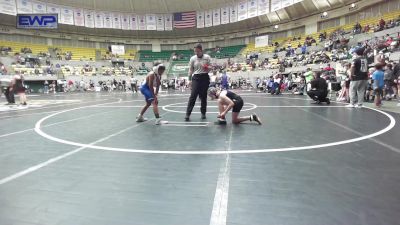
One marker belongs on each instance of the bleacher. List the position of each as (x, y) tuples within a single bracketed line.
[(184, 55), (251, 48), (79, 53), (150, 56), (225, 52), (17, 46), (130, 54), (178, 68)]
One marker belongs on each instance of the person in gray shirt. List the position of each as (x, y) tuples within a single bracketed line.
[(199, 67)]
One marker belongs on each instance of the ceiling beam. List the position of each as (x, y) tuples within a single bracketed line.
[(316, 5), (198, 5), (166, 6), (132, 7)]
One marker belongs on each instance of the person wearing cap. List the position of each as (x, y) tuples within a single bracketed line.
[(228, 100), (199, 67), (358, 79), (149, 89)]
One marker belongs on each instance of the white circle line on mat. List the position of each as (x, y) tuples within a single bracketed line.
[(165, 108), (39, 131)]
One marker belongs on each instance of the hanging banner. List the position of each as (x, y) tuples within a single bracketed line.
[(160, 22), (89, 18), (200, 19), (98, 20), (252, 6), (233, 14), (107, 22), (242, 11), (38, 7), (54, 9), (125, 22), (24, 6), (216, 17), (168, 22), (286, 3), (263, 7), (208, 18), (8, 7), (116, 21), (151, 22), (67, 16), (261, 41), (276, 5), (142, 22), (225, 15), (79, 18), (133, 24)]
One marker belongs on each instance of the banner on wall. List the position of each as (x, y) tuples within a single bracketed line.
[(89, 18), (54, 9), (242, 11), (168, 22), (79, 18), (252, 6), (24, 6), (8, 7), (208, 18), (286, 3), (261, 41), (107, 22), (67, 16), (125, 22), (225, 15), (160, 22), (116, 21), (233, 14), (118, 49), (263, 7), (98, 20), (151, 22), (142, 22), (276, 5), (200, 19), (38, 7), (216, 17), (133, 24)]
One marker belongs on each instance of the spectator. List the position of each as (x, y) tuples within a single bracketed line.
[(46, 87), (319, 89), (359, 79), (389, 81), (378, 84), (382, 24)]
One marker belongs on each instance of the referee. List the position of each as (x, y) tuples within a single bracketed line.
[(199, 66)]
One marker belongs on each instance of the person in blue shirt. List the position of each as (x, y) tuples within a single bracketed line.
[(378, 83), (224, 81), (149, 89)]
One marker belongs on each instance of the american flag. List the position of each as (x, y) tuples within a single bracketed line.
[(184, 20)]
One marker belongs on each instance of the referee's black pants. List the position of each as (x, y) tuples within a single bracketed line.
[(200, 84), (9, 95)]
